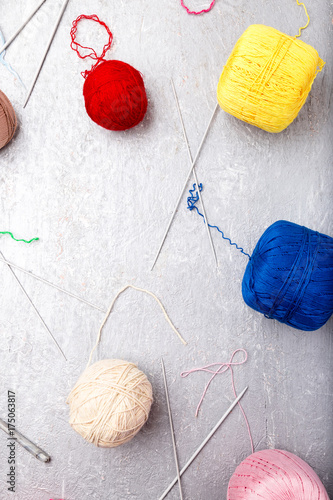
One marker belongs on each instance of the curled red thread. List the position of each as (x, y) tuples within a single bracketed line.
[(114, 92), (93, 55)]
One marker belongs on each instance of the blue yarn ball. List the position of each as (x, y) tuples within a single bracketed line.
[(290, 276)]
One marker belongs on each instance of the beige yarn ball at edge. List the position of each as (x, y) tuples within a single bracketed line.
[(110, 402), (8, 121)]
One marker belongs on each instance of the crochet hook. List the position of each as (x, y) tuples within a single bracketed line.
[(172, 429), (25, 442), (184, 187), (21, 27), (196, 453), (62, 10)]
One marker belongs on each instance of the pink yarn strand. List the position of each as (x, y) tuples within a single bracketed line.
[(196, 13), (222, 368)]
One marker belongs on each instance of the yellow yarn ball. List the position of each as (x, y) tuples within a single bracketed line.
[(267, 78), (110, 403)]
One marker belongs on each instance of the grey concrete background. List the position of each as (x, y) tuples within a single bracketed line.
[(99, 201)]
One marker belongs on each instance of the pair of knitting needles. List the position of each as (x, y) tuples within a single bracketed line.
[(11, 265), (192, 169), (62, 10), (205, 441)]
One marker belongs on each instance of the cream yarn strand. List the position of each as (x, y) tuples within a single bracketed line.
[(111, 307)]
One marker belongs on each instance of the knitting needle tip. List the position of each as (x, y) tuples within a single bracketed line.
[(12, 38), (62, 10), (205, 441), (172, 429)]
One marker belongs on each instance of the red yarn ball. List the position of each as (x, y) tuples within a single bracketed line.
[(115, 95)]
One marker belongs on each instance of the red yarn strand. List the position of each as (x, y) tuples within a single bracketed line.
[(93, 55)]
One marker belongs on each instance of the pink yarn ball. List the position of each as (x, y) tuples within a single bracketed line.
[(275, 475)]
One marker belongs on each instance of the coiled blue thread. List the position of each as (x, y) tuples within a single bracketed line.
[(191, 205)]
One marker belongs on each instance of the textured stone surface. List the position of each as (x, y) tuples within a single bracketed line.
[(99, 201)]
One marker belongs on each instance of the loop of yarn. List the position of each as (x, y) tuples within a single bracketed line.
[(222, 368), (191, 205), (273, 475), (290, 276), (8, 121), (196, 13), (111, 307), (111, 400), (267, 78), (93, 55), (114, 92)]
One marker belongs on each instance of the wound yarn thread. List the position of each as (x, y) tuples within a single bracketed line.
[(275, 475), (110, 403), (8, 120), (222, 368), (114, 92), (268, 77), (196, 13), (290, 276), (111, 400)]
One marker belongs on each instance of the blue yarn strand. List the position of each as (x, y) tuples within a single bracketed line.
[(5, 63), (191, 205)]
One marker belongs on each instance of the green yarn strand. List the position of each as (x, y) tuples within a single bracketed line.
[(12, 236)]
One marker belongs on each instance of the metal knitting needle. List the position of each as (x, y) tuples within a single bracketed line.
[(172, 429), (34, 308), (196, 453), (184, 187), (25, 442), (62, 10), (194, 174), (52, 285), (21, 27)]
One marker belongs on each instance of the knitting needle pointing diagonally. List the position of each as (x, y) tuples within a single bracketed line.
[(172, 429), (62, 10), (184, 187), (205, 441), (21, 27), (34, 308), (53, 285), (194, 174)]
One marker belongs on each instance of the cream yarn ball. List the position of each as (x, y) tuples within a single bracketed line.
[(110, 402)]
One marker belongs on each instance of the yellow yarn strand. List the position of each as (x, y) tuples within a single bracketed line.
[(111, 307), (307, 15)]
